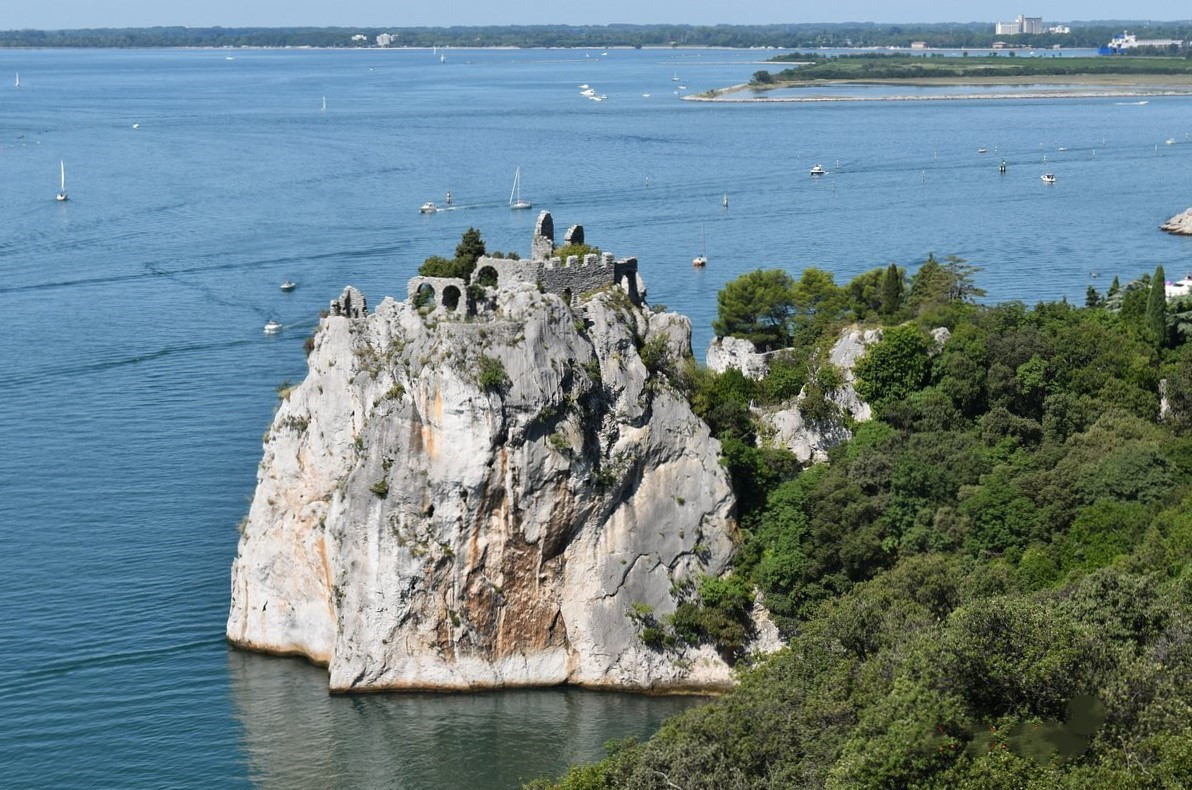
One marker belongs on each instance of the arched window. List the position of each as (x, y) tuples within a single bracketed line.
[(451, 297), (486, 276), (424, 297)]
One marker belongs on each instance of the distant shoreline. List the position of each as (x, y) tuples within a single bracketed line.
[(1081, 87)]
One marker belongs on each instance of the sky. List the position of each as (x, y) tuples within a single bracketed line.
[(60, 14)]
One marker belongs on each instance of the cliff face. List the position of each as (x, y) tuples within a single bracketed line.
[(452, 504)]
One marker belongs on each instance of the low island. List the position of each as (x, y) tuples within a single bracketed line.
[(814, 77)]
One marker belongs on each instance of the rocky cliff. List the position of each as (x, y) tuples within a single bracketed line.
[(453, 501)]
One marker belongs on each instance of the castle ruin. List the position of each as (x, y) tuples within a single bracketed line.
[(567, 278)]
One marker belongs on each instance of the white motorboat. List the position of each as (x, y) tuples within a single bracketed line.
[(818, 170), (62, 189), (272, 327), (515, 198), (1048, 178), (428, 208), (289, 285)]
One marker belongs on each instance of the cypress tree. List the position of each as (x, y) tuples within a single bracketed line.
[(1156, 308), (892, 289)]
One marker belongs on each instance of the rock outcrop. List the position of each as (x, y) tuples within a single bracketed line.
[(736, 352), (460, 501), (1180, 224), (810, 440)]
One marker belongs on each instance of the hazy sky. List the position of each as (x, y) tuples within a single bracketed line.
[(56, 14)]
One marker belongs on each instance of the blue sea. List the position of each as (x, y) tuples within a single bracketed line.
[(136, 382)]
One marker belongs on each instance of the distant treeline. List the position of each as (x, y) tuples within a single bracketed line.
[(791, 36), (881, 66)]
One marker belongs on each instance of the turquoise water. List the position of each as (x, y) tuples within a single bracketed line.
[(135, 381)]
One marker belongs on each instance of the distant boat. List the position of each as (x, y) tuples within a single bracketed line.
[(18, 79), (1001, 168), (136, 126), (675, 78), (324, 104), (1171, 141), (428, 208), (682, 87), (272, 327), (645, 95), (289, 285), (1048, 178), (982, 150), (585, 86), (442, 58), (724, 200), (701, 260), (448, 199), (515, 198), (62, 189), (818, 170)]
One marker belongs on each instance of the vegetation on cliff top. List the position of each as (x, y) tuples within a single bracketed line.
[(989, 585)]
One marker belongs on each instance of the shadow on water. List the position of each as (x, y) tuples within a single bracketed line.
[(296, 735)]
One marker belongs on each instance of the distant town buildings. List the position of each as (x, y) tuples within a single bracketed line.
[(360, 37), (918, 45), (1029, 25), (384, 40)]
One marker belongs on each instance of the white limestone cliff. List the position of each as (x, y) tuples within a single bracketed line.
[(459, 503)]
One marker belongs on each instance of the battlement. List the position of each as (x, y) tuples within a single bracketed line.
[(350, 304), (565, 278)]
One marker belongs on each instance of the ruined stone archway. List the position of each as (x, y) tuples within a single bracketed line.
[(450, 297)]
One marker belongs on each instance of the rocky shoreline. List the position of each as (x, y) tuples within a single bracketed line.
[(1180, 224)]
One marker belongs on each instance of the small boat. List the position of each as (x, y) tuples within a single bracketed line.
[(818, 170), (442, 58), (587, 92), (1001, 168), (515, 198), (584, 86), (724, 200), (18, 79), (701, 260), (448, 199), (1171, 141), (272, 327), (62, 198), (324, 104), (675, 78), (428, 208), (682, 87), (1048, 178), (136, 126), (982, 150), (289, 285), (645, 95)]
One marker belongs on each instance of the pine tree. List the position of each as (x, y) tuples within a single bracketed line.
[(1091, 297), (1114, 288), (1156, 308)]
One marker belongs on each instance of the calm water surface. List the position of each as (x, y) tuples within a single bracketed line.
[(135, 382)]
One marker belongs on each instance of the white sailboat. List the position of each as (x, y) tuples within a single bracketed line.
[(62, 190), (515, 198), (18, 79), (724, 202), (324, 104)]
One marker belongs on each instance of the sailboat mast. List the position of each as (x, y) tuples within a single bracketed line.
[(62, 165), (516, 186)]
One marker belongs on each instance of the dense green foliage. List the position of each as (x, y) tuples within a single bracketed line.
[(757, 306), (870, 66), (988, 586), (467, 252)]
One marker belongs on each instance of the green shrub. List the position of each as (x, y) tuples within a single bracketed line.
[(491, 375)]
